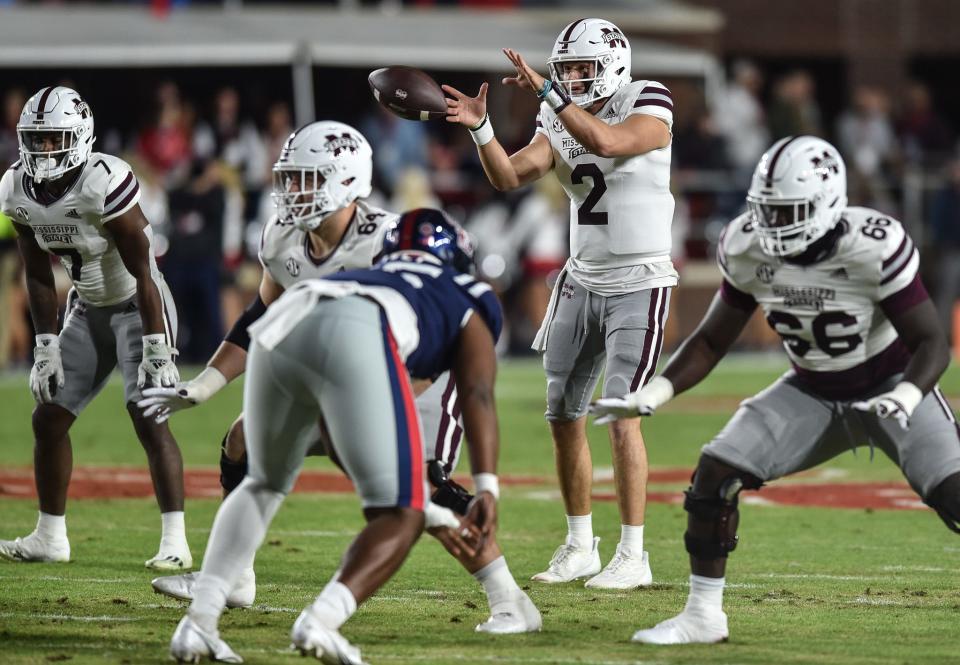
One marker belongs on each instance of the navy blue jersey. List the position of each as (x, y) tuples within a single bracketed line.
[(442, 298)]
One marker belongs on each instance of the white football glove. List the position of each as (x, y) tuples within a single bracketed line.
[(439, 516), (640, 403), (47, 373), (161, 403), (899, 403), (157, 364)]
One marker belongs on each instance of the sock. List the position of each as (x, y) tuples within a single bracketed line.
[(498, 584), (706, 593), (580, 530), (334, 605), (631, 539), (173, 532), (52, 527), (238, 530)]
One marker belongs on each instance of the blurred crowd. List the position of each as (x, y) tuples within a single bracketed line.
[(205, 177)]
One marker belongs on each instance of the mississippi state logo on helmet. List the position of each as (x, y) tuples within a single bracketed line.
[(432, 231), (55, 133), (798, 192), (323, 167), (596, 41)]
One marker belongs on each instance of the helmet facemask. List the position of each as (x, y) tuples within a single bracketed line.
[(303, 195), (42, 163), (785, 227)]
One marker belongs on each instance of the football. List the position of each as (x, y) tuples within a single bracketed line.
[(408, 92)]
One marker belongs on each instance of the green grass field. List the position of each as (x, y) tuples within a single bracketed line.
[(806, 585)]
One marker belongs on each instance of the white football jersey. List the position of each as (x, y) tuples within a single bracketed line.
[(73, 226), (829, 313), (285, 254), (621, 208)]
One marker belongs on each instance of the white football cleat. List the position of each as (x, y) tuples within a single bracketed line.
[(570, 562), (178, 558), (522, 617), (311, 638), (191, 644), (35, 548), (625, 571), (688, 627), (181, 587)]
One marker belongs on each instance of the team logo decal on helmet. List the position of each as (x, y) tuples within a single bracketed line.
[(338, 144)]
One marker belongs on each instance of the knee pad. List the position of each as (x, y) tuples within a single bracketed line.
[(945, 499), (448, 493), (717, 508), (560, 397), (231, 473)]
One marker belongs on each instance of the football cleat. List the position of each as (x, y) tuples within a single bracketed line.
[(522, 617), (688, 627), (625, 571), (181, 587), (35, 548), (191, 644), (179, 559), (311, 638), (570, 562)]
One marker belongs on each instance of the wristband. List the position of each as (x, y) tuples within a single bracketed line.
[(487, 482), (482, 133), (557, 98), (208, 383), (542, 92), (908, 395), (48, 340), (658, 392)]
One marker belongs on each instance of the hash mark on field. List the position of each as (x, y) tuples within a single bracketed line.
[(64, 617), (864, 600)]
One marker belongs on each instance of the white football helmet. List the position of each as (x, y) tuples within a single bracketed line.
[(600, 42), (323, 167), (798, 192), (55, 133)]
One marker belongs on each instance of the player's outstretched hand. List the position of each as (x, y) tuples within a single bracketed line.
[(526, 77), (640, 403), (161, 402), (898, 403), (46, 376), (157, 365), (464, 109)]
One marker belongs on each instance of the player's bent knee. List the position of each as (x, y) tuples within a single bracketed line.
[(559, 407), (232, 472), (712, 505), (51, 423), (235, 443), (945, 499)]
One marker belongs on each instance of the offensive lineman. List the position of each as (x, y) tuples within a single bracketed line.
[(608, 141), (325, 225), (841, 286), (341, 348), (83, 207)]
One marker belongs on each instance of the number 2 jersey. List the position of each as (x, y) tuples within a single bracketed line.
[(831, 315), (72, 227), (621, 208), (285, 254), (426, 304)]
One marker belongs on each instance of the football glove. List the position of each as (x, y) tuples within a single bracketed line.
[(640, 403), (898, 403), (47, 373), (161, 403), (157, 364)]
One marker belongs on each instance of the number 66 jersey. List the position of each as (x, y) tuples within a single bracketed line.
[(832, 315), (72, 227)]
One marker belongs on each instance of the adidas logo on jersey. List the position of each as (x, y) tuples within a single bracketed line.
[(72, 213), (839, 273)]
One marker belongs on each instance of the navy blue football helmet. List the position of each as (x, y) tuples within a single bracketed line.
[(432, 231)]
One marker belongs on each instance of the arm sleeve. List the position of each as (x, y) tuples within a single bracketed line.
[(654, 99), (912, 294), (239, 334)]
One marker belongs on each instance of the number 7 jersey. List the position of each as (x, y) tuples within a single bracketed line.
[(831, 315), (72, 227), (621, 208)]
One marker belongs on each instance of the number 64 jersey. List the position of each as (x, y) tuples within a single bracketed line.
[(832, 315)]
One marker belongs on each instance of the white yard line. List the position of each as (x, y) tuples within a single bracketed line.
[(65, 617)]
